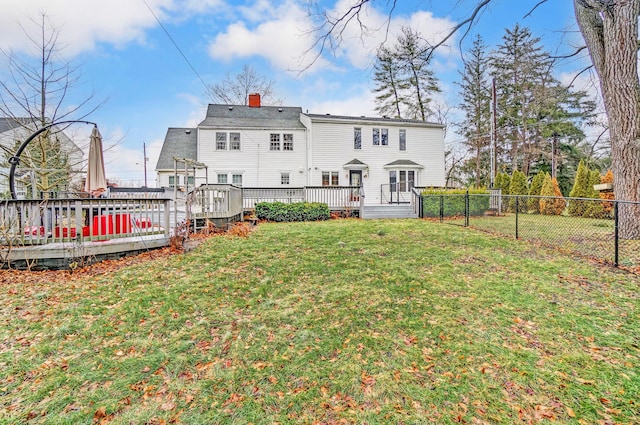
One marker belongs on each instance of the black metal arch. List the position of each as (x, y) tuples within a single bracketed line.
[(15, 160)]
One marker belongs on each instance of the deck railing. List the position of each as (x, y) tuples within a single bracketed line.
[(216, 201), (38, 222), (336, 197)]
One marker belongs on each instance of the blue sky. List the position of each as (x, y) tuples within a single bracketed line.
[(129, 61)]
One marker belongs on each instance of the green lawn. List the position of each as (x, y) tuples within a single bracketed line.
[(589, 237), (346, 321)]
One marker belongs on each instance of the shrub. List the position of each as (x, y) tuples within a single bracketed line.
[(593, 209), (518, 186), (298, 211), (502, 182), (580, 190), (553, 203), (534, 190), (454, 202), (607, 206)]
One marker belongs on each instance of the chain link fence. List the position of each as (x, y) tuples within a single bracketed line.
[(605, 230)]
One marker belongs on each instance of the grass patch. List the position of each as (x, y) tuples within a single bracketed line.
[(347, 321)]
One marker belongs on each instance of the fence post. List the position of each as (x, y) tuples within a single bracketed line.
[(517, 216), (466, 209), (421, 206), (616, 239), (441, 208)]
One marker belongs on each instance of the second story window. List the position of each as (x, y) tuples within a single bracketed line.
[(287, 142), (221, 141), (234, 141), (376, 136), (403, 140), (384, 136), (357, 138), (274, 144)]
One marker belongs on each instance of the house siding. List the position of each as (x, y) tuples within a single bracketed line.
[(259, 166), (333, 146), (321, 144)]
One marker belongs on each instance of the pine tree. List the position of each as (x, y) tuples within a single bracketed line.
[(475, 127), (390, 86), (414, 62), (533, 106)]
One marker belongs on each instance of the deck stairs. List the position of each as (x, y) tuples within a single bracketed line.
[(388, 211)]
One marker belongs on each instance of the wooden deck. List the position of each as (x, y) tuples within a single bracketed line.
[(59, 233)]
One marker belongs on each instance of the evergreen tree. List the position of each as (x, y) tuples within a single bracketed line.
[(503, 182), (580, 190), (422, 83), (475, 127), (534, 191), (534, 107), (593, 209), (390, 86), (552, 201), (518, 186), (405, 84)]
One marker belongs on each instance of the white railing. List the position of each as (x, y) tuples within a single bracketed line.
[(254, 195), (336, 197), (216, 201), (38, 222)]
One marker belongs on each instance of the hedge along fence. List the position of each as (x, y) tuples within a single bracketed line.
[(298, 211), (454, 202)]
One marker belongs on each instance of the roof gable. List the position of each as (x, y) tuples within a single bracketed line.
[(178, 143)]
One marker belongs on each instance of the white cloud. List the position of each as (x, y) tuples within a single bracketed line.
[(85, 23), (280, 37), (283, 35)]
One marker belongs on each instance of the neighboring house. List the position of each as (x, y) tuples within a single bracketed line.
[(14, 131), (268, 146)]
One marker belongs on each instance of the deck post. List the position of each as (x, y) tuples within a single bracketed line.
[(167, 217)]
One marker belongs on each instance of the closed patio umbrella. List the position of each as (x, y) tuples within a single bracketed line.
[(96, 182)]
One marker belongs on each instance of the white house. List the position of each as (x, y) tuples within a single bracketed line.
[(13, 132), (270, 146)]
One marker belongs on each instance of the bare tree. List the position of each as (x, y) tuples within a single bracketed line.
[(34, 93), (235, 90), (610, 30)]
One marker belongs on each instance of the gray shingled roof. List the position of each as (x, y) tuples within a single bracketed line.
[(373, 119), (403, 163), (237, 117), (178, 143), (7, 124)]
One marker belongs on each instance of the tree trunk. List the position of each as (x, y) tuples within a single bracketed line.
[(610, 31)]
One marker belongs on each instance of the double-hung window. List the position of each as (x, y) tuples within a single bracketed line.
[(402, 137), (222, 178), (285, 178), (384, 136), (376, 136), (287, 142), (236, 179), (234, 141), (330, 178), (357, 138), (221, 141), (274, 142)]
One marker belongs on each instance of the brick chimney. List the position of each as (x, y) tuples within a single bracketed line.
[(254, 100)]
